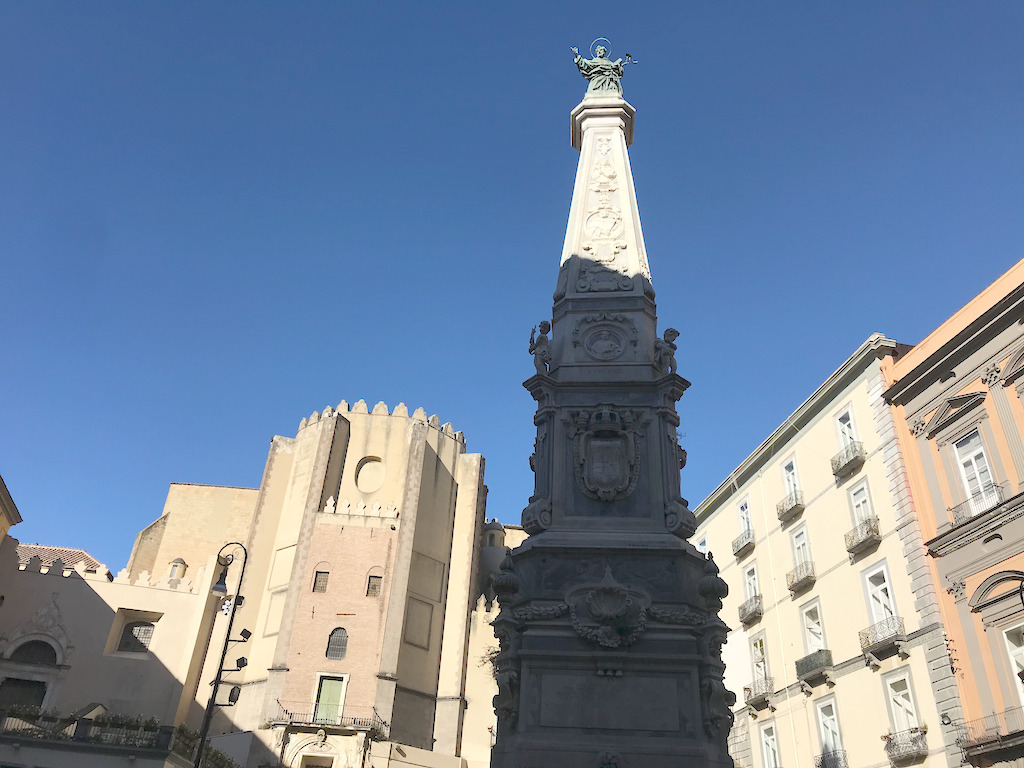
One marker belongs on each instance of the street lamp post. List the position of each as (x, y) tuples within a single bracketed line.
[(224, 559)]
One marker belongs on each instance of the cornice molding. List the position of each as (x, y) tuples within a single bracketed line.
[(875, 347)]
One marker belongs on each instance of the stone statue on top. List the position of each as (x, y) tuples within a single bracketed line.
[(605, 75)]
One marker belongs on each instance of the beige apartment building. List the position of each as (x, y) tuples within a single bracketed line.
[(837, 651)]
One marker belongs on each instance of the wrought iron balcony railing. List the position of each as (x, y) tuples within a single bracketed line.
[(791, 506), (906, 746), (988, 497), (751, 610), (801, 577), (814, 665), (756, 694), (743, 543), (332, 716), (834, 759), (863, 536), (885, 634), (848, 460), (991, 733)]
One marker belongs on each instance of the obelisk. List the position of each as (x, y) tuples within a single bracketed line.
[(610, 641)]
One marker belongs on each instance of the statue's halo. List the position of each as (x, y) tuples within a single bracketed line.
[(600, 41)]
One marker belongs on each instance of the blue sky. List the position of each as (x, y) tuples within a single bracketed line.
[(218, 217)]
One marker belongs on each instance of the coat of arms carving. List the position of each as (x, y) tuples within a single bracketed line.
[(606, 452)]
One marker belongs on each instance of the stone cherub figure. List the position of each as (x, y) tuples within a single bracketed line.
[(539, 347), (605, 75), (665, 352)]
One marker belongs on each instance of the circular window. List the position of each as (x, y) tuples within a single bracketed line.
[(370, 474)]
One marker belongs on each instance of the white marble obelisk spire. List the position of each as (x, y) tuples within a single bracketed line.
[(610, 641)]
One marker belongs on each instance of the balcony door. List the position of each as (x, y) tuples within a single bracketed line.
[(801, 547), (880, 600), (828, 727), (976, 474), (901, 704), (750, 586), (814, 630), (330, 699), (789, 473), (759, 658), (846, 435), (744, 516), (861, 503)]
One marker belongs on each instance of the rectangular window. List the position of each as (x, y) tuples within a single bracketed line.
[(702, 545), (814, 628), (902, 711), (320, 581), (769, 746), (1015, 647), (828, 727), (977, 476), (330, 699), (860, 502), (790, 478), (759, 657), (801, 547), (880, 601), (373, 586), (750, 585), (744, 510)]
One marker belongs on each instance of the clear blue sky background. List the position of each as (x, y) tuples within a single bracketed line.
[(218, 217)]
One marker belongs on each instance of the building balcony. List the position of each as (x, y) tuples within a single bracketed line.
[(864, 536), (801, 577), (907, 746), (848, 460), (751, 610), (994, 738), (331, 717), (814, 665), (791, 506), (883, 636), (756, 694), (834, 759), (743, 543), (990, 496)]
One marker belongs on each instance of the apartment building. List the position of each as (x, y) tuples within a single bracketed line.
[(832, 659)]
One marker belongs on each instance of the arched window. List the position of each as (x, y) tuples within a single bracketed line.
[(337, 644), (320, 581), (135, 636), (374, 585), (35, 652)]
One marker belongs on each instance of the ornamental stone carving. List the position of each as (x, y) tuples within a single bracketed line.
[(540, 348), (665, 352), (718, 702), (605, 336), (597, 277), (957, 589), (609, 614), (537, 516), (990, 375), (917, 427), (606, 453)]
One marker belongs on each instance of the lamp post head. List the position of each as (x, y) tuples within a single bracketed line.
[(221, 587)]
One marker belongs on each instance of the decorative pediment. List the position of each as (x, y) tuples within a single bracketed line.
[(1014, 369), (953, 409), (997, 587)]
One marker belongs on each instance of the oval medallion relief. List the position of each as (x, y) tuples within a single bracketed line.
[(604, 343)]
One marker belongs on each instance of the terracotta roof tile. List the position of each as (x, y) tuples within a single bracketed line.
[(48, 555)]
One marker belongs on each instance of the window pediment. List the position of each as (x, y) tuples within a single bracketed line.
[(997, 587), (953, 410), (1014, 369)]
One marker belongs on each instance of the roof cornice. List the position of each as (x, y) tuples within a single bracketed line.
[(1006, 310), (875, 347)]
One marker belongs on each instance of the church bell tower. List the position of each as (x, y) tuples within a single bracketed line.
[(610, 640)]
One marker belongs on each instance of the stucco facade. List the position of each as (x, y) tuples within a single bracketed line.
[(831, 655), (957, 397), (362, 543), (9, 514)]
